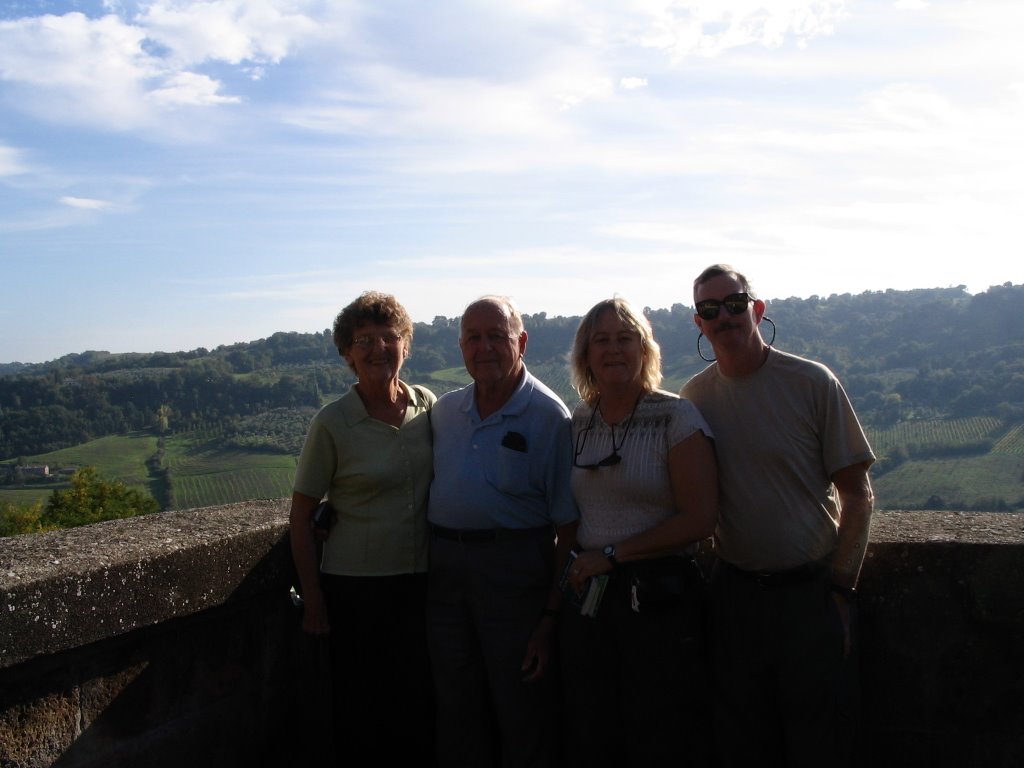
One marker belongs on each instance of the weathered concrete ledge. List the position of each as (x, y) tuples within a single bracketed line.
[(169, 639), (64, 589), (994, 528), (160, 641), (942, 657)]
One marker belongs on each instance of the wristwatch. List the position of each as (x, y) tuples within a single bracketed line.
[(609, 552)]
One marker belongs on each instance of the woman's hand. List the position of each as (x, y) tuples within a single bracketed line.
[(314, 612), (314, 616), (585, 566)]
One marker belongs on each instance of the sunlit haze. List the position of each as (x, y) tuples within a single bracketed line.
[(178, 174)]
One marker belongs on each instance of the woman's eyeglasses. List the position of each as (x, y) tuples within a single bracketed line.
[(734, 303), (367, 340)]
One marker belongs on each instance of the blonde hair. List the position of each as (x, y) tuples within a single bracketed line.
[(583, 378)]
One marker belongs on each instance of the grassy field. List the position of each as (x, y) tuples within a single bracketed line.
[(201, 475), (238, 484), (26, 496), (556, 377), (958, 483), (445, 380), (121, 457), (933, 432), (204, 473)]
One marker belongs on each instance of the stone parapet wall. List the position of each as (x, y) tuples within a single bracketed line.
[(166, 639), (170, 639), (64, 589), (942, 614)]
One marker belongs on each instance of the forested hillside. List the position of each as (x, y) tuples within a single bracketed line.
[(928, 357)]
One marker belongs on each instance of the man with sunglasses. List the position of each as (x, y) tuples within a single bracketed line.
[(794, 516)]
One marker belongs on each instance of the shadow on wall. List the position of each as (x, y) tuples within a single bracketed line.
[(232, 685)]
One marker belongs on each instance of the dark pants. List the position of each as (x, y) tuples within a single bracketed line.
[(784, 694), (384, 703), (485, 600), (634, 682)]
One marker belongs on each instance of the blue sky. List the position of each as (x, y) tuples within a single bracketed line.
[(177, 174)]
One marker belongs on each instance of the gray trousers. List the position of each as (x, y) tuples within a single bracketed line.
[(484, 600)]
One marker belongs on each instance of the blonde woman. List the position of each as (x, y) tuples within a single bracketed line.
[(645, 480)]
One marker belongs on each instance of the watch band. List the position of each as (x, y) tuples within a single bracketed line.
[(609, 552)]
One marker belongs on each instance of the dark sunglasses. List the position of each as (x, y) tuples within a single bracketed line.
[(610, 460), (734, 303)]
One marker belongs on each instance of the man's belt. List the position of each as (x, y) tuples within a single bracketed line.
[(472, 535), (799, 575)]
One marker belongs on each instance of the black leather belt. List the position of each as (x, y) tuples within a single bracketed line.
[(799, 575), (468, 535)]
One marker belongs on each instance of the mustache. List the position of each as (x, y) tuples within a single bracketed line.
[(726, 325)]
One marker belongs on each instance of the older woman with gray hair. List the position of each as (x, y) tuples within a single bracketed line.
[(645, 480), (369, 453)]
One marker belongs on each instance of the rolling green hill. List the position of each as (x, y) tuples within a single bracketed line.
[(202, 474), (968, 463), (936, 375)]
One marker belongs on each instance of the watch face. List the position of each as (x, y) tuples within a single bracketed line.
[(609, 551)]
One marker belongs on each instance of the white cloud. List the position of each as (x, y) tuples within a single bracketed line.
[(632, 83), (572, 146), (72, 68), (710, 28), (912, 107), (393, 102), (188, 88), (233, 31), (598, 88), (86, 203), (72, 51), (11, 163), (114, 71), (122, 74)]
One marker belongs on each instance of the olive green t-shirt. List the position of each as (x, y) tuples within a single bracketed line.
[(376, 477)]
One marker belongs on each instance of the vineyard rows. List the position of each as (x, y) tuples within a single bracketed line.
[(1012, 442), (932, 432), (228, 487)]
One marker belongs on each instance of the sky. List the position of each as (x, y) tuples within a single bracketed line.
[(178, 174)]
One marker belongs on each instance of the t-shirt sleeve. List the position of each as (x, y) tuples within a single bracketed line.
[(843, 441), (686, 420), (317, 462)]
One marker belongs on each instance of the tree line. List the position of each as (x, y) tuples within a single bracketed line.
[(927, 353)]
